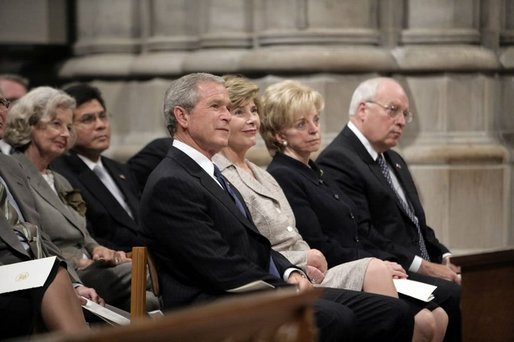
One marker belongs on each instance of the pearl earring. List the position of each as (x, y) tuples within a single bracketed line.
[(284, 143)]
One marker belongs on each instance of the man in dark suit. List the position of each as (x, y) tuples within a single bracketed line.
[(201, 235), (377, 179), (144, 162), (107, 186)]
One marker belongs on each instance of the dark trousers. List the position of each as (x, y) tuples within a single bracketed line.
[(22, 309), (344, 315), (17, 314), (447, 296)]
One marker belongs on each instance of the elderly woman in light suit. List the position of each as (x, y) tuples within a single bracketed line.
[(40, 129)]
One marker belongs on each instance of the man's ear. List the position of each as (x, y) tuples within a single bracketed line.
[(361, 111), (181, 116)]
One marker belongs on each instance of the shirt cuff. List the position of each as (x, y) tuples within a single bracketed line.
[(447, 255), (290, 270), (416, 264)]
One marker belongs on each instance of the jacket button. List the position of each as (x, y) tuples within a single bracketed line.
[(336, 196), (352, 216), (320, 181), (356, 239)]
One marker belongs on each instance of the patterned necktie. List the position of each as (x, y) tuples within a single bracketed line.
[(228, 189), (28, 233), (226, 186), (405, 206)]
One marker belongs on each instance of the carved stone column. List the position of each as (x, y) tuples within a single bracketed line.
[(108, 34), (454, 149), (454, 57), (170, 30)]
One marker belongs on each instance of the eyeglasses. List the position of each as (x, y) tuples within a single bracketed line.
[(393, 111), (88, 119), (5, 102)]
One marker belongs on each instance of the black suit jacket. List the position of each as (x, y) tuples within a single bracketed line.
[(325, 216), (202, 244), (347, 161), (107, 221), (146, 160)]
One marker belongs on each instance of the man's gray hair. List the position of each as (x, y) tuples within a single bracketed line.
[(183, 92), (365, 91)]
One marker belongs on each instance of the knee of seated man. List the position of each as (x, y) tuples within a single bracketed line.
[(447, 291), (335, 322), (397, 320)]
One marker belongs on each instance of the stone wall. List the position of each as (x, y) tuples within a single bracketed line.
[(454, 57)]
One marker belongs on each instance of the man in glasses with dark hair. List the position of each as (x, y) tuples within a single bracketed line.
[(107, 186), (378, 180)]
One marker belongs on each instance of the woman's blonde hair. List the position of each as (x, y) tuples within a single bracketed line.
[(282, 102), (240, 90)]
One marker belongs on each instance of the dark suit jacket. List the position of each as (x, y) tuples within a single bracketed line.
[(146, 160), (325, 216), (107, 221), (355, 172), (202, 244)]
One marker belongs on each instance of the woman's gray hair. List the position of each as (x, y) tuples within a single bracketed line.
[(183, 92), (37, 106), (365, 91)]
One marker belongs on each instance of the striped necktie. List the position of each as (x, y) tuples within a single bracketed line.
[(27, 233), (405, 206)]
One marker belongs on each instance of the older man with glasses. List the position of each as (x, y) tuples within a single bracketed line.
[(378, 180), (107, 186)]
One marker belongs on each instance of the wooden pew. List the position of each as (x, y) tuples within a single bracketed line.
[(281, 315), (487, 295), (141, 263)]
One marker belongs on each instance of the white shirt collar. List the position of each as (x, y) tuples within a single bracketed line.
[(204, 162), (363, 140), (90, 164), (5, 147)]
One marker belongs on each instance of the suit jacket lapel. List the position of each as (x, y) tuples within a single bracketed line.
[(402, 175), (91, 181), (122, 181), (255, 184), (247, 179), (357, 146), (210, 185), (38, 183)]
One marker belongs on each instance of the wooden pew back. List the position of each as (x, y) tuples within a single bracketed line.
[(281, 315), (487, 301)]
